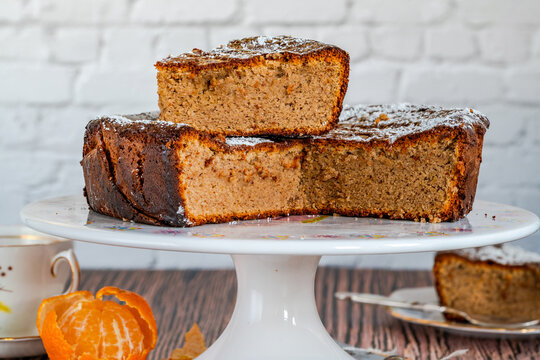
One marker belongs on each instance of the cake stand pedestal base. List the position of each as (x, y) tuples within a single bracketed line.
[(275, 316)]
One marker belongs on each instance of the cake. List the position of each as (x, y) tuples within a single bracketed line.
[(398, 162), (256, 86), (502, 282)]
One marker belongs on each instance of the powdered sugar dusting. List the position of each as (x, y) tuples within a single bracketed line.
[(248, 48), (147, 118), (152, 118), (180, 210), (390, 122), (261, 45), (505, 254), (360, 123), (245, 141)]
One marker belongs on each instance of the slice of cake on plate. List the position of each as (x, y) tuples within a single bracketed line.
[(398, 162), (256, 86), (497, 281)]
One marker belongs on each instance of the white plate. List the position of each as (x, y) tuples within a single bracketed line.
[(429, 295), (21, 347), (488, 223)]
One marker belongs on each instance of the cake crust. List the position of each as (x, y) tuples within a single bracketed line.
[(236, 57), (117, 186), (252, 51), (111, 166)]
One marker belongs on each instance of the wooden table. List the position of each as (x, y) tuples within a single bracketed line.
[(179, 298)]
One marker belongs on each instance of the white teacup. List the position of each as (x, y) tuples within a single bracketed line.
[(30, 272)]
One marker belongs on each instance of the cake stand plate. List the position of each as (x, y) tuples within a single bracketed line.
[(275, 315)]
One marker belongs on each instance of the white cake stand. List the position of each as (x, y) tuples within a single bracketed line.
[(275, 316)]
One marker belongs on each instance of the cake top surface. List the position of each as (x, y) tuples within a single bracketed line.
[(244, 49), (366, 123), (361, 123), (151, 119), (504, 255)]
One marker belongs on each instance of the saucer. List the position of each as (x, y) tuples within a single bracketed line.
[(435, 319), (21, 346)]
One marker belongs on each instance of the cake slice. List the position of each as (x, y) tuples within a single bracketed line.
[(399, 162), (256, 86), (496, 281)]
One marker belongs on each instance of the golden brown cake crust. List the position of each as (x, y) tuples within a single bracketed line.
[(115, 185), (250, 52)]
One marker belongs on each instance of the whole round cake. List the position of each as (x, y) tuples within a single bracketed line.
[(394, 161)]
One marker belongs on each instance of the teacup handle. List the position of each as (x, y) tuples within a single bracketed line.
[(69, 256)]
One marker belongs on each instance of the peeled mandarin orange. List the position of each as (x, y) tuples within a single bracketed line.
[(78, 326)]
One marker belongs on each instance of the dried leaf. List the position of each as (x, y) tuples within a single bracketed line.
[(193, 346)]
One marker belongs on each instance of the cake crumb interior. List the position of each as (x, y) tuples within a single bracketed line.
[(271, 95), (398, 181)]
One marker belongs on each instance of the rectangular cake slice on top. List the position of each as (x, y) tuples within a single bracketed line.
[(256, 86), (399, 162)]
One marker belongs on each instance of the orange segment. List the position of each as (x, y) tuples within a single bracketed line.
[(122, 333), (79, 327), (139, 306), (80, 324)]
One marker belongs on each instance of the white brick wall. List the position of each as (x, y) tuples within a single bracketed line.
[(400, 12), (36, 83), (63, 62), (450, 43), (11, 10), (294, 12), (75, 45), (506, 44), (400, 43), (452, 85), (182, 12)]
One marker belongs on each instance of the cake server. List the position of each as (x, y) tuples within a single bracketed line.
[(483, 321)]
